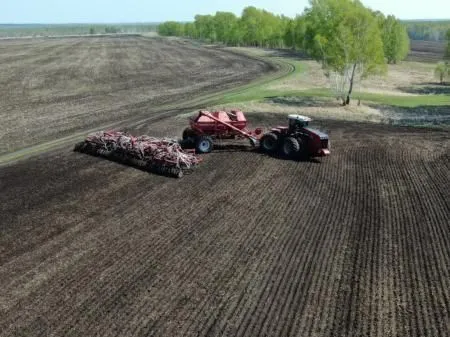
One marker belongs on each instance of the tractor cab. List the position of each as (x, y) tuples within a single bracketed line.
[(298, 121)]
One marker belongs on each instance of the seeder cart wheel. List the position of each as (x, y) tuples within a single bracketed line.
[(204, 144)]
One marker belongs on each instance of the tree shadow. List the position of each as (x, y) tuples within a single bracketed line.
[(428, 89), (422, 115), (287, 53), (307, 101)]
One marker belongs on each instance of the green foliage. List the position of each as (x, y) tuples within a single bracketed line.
[(442, 71), (92, 30), (190, 30), (343, 32), (262, 28), (171, 28), (294, 33), (205, 27), (345, 38), (395, 38), (226, 28), (256, 27)]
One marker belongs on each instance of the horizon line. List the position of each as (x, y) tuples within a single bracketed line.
[(150, 22)]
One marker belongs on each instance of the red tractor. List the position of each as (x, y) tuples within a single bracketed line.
[(296, 139), (290, 141)]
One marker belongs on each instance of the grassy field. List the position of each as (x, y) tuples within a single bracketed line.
[(407, 94)]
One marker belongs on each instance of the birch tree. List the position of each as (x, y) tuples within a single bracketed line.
[(345, 38)]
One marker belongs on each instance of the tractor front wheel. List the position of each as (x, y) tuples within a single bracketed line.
[(269, 142), (204, 144), (291, 147)]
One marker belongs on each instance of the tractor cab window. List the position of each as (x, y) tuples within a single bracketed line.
[(295, 123)]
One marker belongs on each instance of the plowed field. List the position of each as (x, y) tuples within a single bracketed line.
[(50, 88), (356, 244)]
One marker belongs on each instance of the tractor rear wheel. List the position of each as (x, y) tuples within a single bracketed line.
[(269, 142), (204, 144), (291, 147)]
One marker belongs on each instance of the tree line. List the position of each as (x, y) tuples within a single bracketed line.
[(348, 39), (428, 30)]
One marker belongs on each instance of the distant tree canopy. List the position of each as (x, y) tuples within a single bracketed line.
[(112, 30), (260, 28), (348, 39), (395, 39), (171, 28), (427, 30), (256, 27)]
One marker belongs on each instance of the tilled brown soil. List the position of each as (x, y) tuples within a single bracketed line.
[(50, 88), (356, 244), (427, 51)]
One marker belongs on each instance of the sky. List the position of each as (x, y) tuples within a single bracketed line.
[(113, 11)]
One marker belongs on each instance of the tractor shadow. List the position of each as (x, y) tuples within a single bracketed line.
[(230, 148)]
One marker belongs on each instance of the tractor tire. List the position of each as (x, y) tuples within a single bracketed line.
[(204, 144), (291, 147), (188, 133), (269, 142)]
